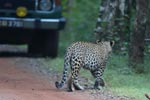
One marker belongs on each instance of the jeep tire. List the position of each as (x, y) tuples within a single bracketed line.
[(44, 43)]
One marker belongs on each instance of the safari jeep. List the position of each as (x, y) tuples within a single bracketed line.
[(33, 22)]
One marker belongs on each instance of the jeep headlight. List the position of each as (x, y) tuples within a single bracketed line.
[(45, 5)]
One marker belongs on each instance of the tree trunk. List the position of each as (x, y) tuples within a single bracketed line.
[(105, 19), (136, 52), (122, 23), (147, 36), (112, 21)]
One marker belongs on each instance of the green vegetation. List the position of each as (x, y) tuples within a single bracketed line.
[(121, 80), (118, 77), (81, 21)]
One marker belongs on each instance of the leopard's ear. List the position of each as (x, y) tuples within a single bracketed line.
[(112, 43), (98, 41)]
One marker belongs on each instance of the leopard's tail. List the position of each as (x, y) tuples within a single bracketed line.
[(65, 70)]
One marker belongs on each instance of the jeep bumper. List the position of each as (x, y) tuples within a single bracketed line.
[(33, 23)]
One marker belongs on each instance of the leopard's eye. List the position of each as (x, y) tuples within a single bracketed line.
[(45, 5)]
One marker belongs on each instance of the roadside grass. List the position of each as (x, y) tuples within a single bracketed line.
[(122, 81), (118, 76)]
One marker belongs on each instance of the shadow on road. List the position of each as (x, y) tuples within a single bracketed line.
[(14, 54), (15, 51)]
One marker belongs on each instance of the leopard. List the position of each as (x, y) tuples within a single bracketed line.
[(86, 55)]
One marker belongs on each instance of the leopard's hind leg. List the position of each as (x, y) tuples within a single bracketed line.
[(99, 82), (73, 82)]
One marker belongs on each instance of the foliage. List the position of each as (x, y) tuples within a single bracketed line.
[(81, 21)]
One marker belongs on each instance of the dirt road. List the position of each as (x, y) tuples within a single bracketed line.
[(22, 78), (17, 83)]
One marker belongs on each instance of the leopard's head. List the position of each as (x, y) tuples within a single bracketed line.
[(107, 44)]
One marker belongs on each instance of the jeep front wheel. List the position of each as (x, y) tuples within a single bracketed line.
[(44, 43)]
